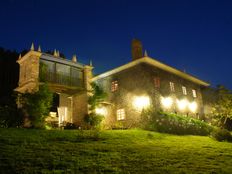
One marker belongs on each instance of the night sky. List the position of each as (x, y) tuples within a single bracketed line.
[(195, 36)]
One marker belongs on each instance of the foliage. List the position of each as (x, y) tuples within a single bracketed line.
[(93, 119), (10, 115), (98, 96), (9, 73), (221, 135), (70, 126), (42, 72), (174, 124), (115, 151), (222, 108), (37, 105)]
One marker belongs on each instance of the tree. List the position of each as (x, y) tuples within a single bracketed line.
[(222, 108), (37, 105), (10, 115), (98, 96)]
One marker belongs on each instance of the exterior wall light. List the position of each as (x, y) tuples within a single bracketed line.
[(166, 102), (101, 111), (182, 104), (192, 107), (141, 102)]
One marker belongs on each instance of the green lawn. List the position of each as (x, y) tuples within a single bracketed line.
[(117, 151)]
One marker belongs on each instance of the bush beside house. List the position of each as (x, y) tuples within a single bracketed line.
[(36, 106), (174, 124), (220, 134)]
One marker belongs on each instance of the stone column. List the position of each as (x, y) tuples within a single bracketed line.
[(29, 72), (87, 77)]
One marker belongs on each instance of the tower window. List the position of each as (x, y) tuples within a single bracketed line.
[(114, 86)]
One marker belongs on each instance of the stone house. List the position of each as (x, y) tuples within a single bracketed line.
[(68, 79), (145, 82)]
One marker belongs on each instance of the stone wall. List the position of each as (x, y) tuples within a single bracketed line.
[(80, 108), (29, 72), (139, 81)]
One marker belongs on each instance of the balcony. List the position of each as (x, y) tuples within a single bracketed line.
[(61, 79)]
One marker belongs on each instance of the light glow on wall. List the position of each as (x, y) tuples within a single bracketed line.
[(166, 102), (101, 111), (192, 106), (62, 113), (182, 104), (141, 102), (53, 114)]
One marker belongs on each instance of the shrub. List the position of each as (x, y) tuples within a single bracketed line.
[(222, 135), (70, 126), (37, 105), (93, 120), (175, 124), (10, 115)]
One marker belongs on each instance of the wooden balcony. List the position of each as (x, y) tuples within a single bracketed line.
[(62, 82)]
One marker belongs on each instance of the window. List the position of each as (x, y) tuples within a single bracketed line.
[(194, 93), (63, 69), (157, 82), (114, 86), (172, 87), (120, 114), (50, 66), (184, 90)]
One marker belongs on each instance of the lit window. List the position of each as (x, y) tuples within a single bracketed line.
[(120, 114), (194, 93), (184, 90), (172, 87), (114, 86), (157, 82)]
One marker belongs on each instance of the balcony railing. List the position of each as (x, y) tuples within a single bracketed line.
[(61, 79)]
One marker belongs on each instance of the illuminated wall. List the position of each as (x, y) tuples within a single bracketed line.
[(136, 89)]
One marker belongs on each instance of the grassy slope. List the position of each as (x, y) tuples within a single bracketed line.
[(126, 151)]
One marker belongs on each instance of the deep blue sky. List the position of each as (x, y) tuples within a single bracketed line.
[(195, 36)]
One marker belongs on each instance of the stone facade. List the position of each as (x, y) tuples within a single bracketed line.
[(144, 82), (29, 72), (69, 79), (139, 80)]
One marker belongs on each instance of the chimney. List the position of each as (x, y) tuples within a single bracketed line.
[(136, 49)]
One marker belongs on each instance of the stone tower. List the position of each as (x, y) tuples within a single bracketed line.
[(136, 49)]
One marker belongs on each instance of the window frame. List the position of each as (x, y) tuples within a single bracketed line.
[(114, 85), (184, 90), (121, 114), (172, 86), (194, 92), (156, 81)]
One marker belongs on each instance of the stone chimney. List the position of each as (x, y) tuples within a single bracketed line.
[(136, 49)]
